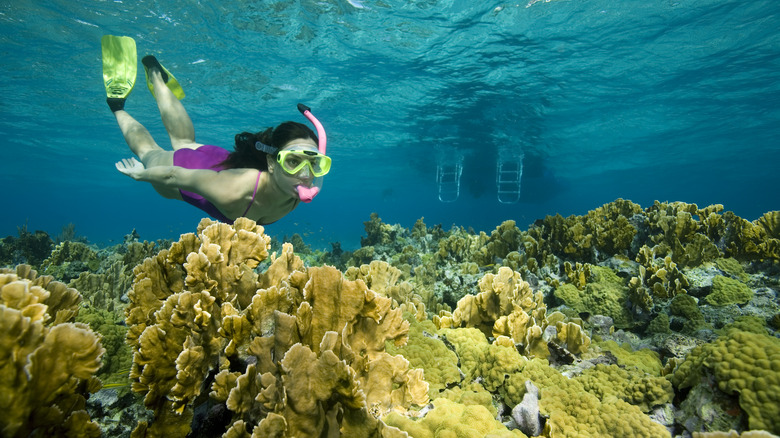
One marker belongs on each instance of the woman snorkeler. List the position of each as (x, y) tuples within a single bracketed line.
[(266, 177)]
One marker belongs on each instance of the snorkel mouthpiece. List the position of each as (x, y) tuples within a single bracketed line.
[(307, 194)]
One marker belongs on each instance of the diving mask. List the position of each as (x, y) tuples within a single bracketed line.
[(295, 161)]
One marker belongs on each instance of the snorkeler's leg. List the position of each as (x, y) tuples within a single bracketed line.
[(137, 136), (175, 118), (143, 145)]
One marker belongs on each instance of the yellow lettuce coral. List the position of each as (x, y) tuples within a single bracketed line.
[(273, 342), (612, 231), (747, 240), (507, 307), (378, 275), (47, 364)]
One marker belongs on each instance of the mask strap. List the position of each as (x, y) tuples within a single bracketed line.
[(266, 148)]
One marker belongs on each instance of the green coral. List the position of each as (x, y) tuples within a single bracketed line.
[(497, 363), (659, 324), (747, 323), (774, 321), (574, 412), (628, 384), (30, 248), (452, 420), (118, 357), (425, 351), (469, 344), (471, 394), (604, 294), (727, 291), (479, 359), (582, 414), (646, 360), (686, 307), (377, 232), (542, 375), (733, 268), (743, 363), (69, 259)]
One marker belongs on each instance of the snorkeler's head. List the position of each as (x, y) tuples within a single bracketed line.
[(292, 147), (248, 155), (301, 161), (282, 135)]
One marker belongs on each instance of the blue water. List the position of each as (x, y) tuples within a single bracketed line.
[(644, 100)]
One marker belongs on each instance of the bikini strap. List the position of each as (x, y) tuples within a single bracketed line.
[(257, 183)]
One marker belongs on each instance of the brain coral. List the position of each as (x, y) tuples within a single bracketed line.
[(744, 363), (574, 412), (629, 385)]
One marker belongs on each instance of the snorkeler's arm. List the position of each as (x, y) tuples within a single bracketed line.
[(212, 185)]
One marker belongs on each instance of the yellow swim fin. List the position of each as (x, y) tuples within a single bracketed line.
[(120, 65), (150, 62)]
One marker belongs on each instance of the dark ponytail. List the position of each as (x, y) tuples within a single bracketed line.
[(246, 155)]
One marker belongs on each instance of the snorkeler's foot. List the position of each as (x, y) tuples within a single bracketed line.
[(116, 103), (151, 64)]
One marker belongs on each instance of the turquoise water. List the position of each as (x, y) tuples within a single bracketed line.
[(667, 100)]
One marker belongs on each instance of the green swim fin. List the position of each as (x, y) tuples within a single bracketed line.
[(150, 61), (120, 65)]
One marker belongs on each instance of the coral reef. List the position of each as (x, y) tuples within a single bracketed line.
[(27, 248), (47, 362), (199, 310), (744, 363), (69, 259), (448, 418), (622, 322)]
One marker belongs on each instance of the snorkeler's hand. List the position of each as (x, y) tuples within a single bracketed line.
[(130, 167)]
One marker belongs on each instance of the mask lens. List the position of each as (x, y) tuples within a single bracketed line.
[(294, 161), (321, 165)]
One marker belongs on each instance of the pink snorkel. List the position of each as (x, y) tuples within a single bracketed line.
[(308, 193)]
